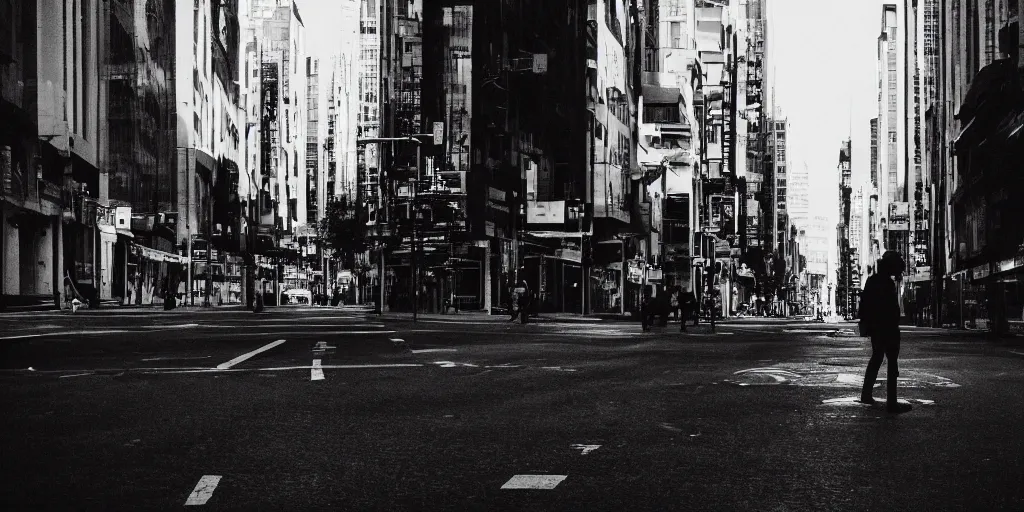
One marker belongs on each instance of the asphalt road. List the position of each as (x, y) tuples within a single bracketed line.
[(327, 409)]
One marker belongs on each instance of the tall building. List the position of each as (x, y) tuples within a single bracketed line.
[(777, 175), (979, 121), (858, 221), (899, 130), (344, 96), (798, 196), (56, 222), (758, 189), (314, 173), (283, 114), (368, 115)]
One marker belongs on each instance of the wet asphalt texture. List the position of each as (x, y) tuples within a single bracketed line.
[(119, 410)]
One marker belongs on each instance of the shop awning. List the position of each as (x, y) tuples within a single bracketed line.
[(159, 256)]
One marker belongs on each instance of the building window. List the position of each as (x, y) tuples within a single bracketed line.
[(676, 31), (676, 7)]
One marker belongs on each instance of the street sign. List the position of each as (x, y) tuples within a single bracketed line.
[(540, 63), (438, 133)]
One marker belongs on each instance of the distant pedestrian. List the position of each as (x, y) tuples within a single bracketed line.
[(880, 320), (687, 307), (646, 312), (519, 300), (673, 303)]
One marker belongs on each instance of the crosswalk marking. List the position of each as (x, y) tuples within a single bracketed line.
[(316, 372), (243, 357), (544, 482), (203, 491)]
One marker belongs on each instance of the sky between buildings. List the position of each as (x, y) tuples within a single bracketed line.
[(825, 57)]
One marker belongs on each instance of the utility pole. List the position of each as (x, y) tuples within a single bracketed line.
[(380, 197)]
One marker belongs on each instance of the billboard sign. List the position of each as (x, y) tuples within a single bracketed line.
[(545, 212), (899, 216)]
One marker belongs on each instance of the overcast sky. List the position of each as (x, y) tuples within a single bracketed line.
[(320, 18), (825, 59), (824, 55)]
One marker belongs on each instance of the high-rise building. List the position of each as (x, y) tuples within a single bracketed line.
[(368, 116), (873, 170), (55, 219), (858, 233), (798, 196), (283, 114), (314, 173), (778, 170), (979, 122)]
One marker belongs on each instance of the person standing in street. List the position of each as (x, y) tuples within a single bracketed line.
[(687, 307), (646, 314), (880, 320), (519, 299)]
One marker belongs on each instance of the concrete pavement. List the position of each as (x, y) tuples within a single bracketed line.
[(354, 412)]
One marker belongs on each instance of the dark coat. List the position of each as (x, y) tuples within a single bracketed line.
[(880, 308)]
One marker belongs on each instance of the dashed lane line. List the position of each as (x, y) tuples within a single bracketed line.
[(317, 371), (543, 482), (203, 491), (248, 355), (432, 350)]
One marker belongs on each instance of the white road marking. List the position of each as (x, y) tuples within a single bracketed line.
[(322, 346), (284, 368), (75, 375), (179, 326), (586, 448), (175, 358), (66, 333), (243, 357), (396, 340), (545, 482), (289, 325), (769, 371), (432, 350), (558, 368), (259, 330), (855, 401), (203, 491), (451, 364), (1018, 353), (849, 378), (317, 371)]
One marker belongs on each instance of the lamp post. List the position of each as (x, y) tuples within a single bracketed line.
[(188, 217)]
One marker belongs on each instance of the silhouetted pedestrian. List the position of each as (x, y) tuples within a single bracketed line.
[(688, 307), (646, 313), (519, 301), (880, 320)]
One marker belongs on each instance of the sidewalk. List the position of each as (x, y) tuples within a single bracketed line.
[(481, 316)]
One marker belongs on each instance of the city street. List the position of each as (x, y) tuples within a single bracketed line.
[(306, 408)]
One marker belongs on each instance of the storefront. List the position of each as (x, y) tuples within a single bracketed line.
[(152, 274)]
